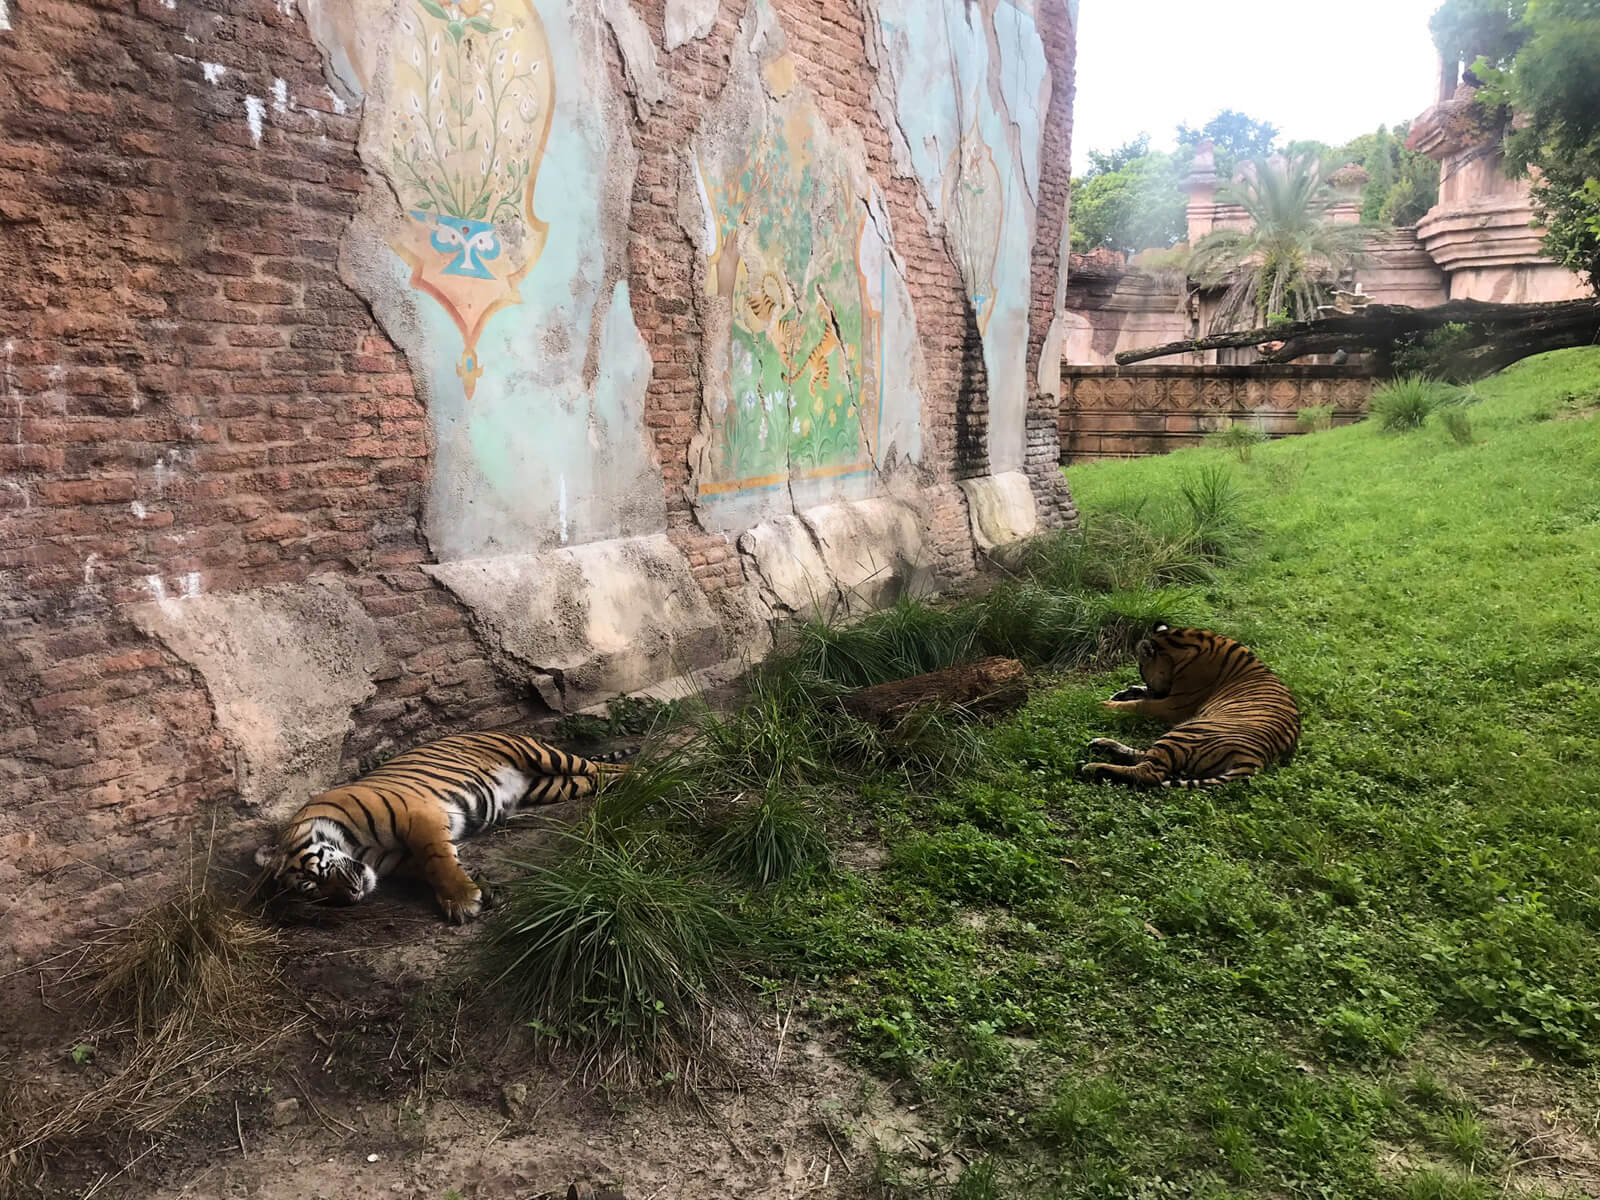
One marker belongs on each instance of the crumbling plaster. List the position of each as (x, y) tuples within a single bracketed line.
[(495, 256), (580, 624), (963, 90), (285, 667)]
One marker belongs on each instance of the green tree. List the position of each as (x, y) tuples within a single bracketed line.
[(1138, 206), (1278, 267), (1102, 162), (1540, 78), (1380, 167), (1464, 30), (1234, 138)]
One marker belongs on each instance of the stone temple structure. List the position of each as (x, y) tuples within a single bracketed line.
[(1478, 243)]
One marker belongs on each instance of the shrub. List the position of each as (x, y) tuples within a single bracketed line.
[(1239, 437), (1457, 424), (1438, 353), (771, 840), (1404, 404), (1314, 419), (614, 951)]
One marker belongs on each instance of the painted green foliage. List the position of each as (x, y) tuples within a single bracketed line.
[(796, 384)]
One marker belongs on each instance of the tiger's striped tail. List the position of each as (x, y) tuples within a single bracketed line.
[(1214, 781), (613, 762)]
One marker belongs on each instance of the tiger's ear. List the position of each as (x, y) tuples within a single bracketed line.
[(1163, 627), (269, 856)]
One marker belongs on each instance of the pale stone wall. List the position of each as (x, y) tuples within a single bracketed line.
[(1482, 233)]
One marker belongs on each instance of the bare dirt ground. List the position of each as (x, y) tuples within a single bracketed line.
[(400, 1083)]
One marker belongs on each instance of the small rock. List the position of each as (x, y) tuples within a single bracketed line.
[(514, 1099), (285, 1112), (372, 1158)]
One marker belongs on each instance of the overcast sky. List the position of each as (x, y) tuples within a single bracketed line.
[(1324, 69)]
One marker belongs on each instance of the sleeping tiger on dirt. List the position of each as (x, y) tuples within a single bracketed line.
[(408, 814), (1231, 715)]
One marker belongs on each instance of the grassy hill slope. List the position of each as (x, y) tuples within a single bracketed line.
[(1373, 972)]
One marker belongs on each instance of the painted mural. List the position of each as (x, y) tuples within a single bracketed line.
[(470, 112), (496, 258), (974, 207), (786, 230), (803, 301)]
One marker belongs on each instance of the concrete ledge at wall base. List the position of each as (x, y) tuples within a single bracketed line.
[(1002, 509), (784, 563), (588, 622), (842, 559), (285, 668)]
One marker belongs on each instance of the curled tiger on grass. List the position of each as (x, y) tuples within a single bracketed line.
[(1231, 716), (407, 815)]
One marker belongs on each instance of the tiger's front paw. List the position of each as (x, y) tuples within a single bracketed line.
[(1136, 692), (467, 907)]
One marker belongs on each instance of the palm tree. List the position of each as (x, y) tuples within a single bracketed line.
[(1279, 265)]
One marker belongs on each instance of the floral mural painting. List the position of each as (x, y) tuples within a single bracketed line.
[(469, 117), (974, 205), (802, 388)]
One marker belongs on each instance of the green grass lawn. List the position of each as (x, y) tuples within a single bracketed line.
[(1355, 976), (1372, 972)]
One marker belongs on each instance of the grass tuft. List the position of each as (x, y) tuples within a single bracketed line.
[(1314, 419), (183, 995), (612, 950), (770, 840), (1239, 437), (1457, 424), (187, 963), (1404, 404)]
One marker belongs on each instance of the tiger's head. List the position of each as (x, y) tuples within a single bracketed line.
[(1166, 653), (318, 870)]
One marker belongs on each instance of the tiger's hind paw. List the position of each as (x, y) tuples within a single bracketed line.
[(1116, 751)]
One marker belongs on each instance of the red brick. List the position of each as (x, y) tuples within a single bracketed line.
[(86, 491)]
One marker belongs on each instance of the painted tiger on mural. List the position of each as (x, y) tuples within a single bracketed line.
[(1231, 716), (408, 814)]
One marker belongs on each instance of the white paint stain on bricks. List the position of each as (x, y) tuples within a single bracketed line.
[(254, 110)]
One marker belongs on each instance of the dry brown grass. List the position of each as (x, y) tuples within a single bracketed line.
[(182, 996)]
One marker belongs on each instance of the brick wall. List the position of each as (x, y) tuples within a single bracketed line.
[(191, 400)]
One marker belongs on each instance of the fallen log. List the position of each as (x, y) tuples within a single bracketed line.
[(1496, 335), (990, 685)]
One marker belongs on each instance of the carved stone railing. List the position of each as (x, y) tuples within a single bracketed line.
[(1130, 412)]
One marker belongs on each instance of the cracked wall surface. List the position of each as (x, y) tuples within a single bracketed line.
[(802, 300), (286, 667), (495, 255), (968, 85)]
